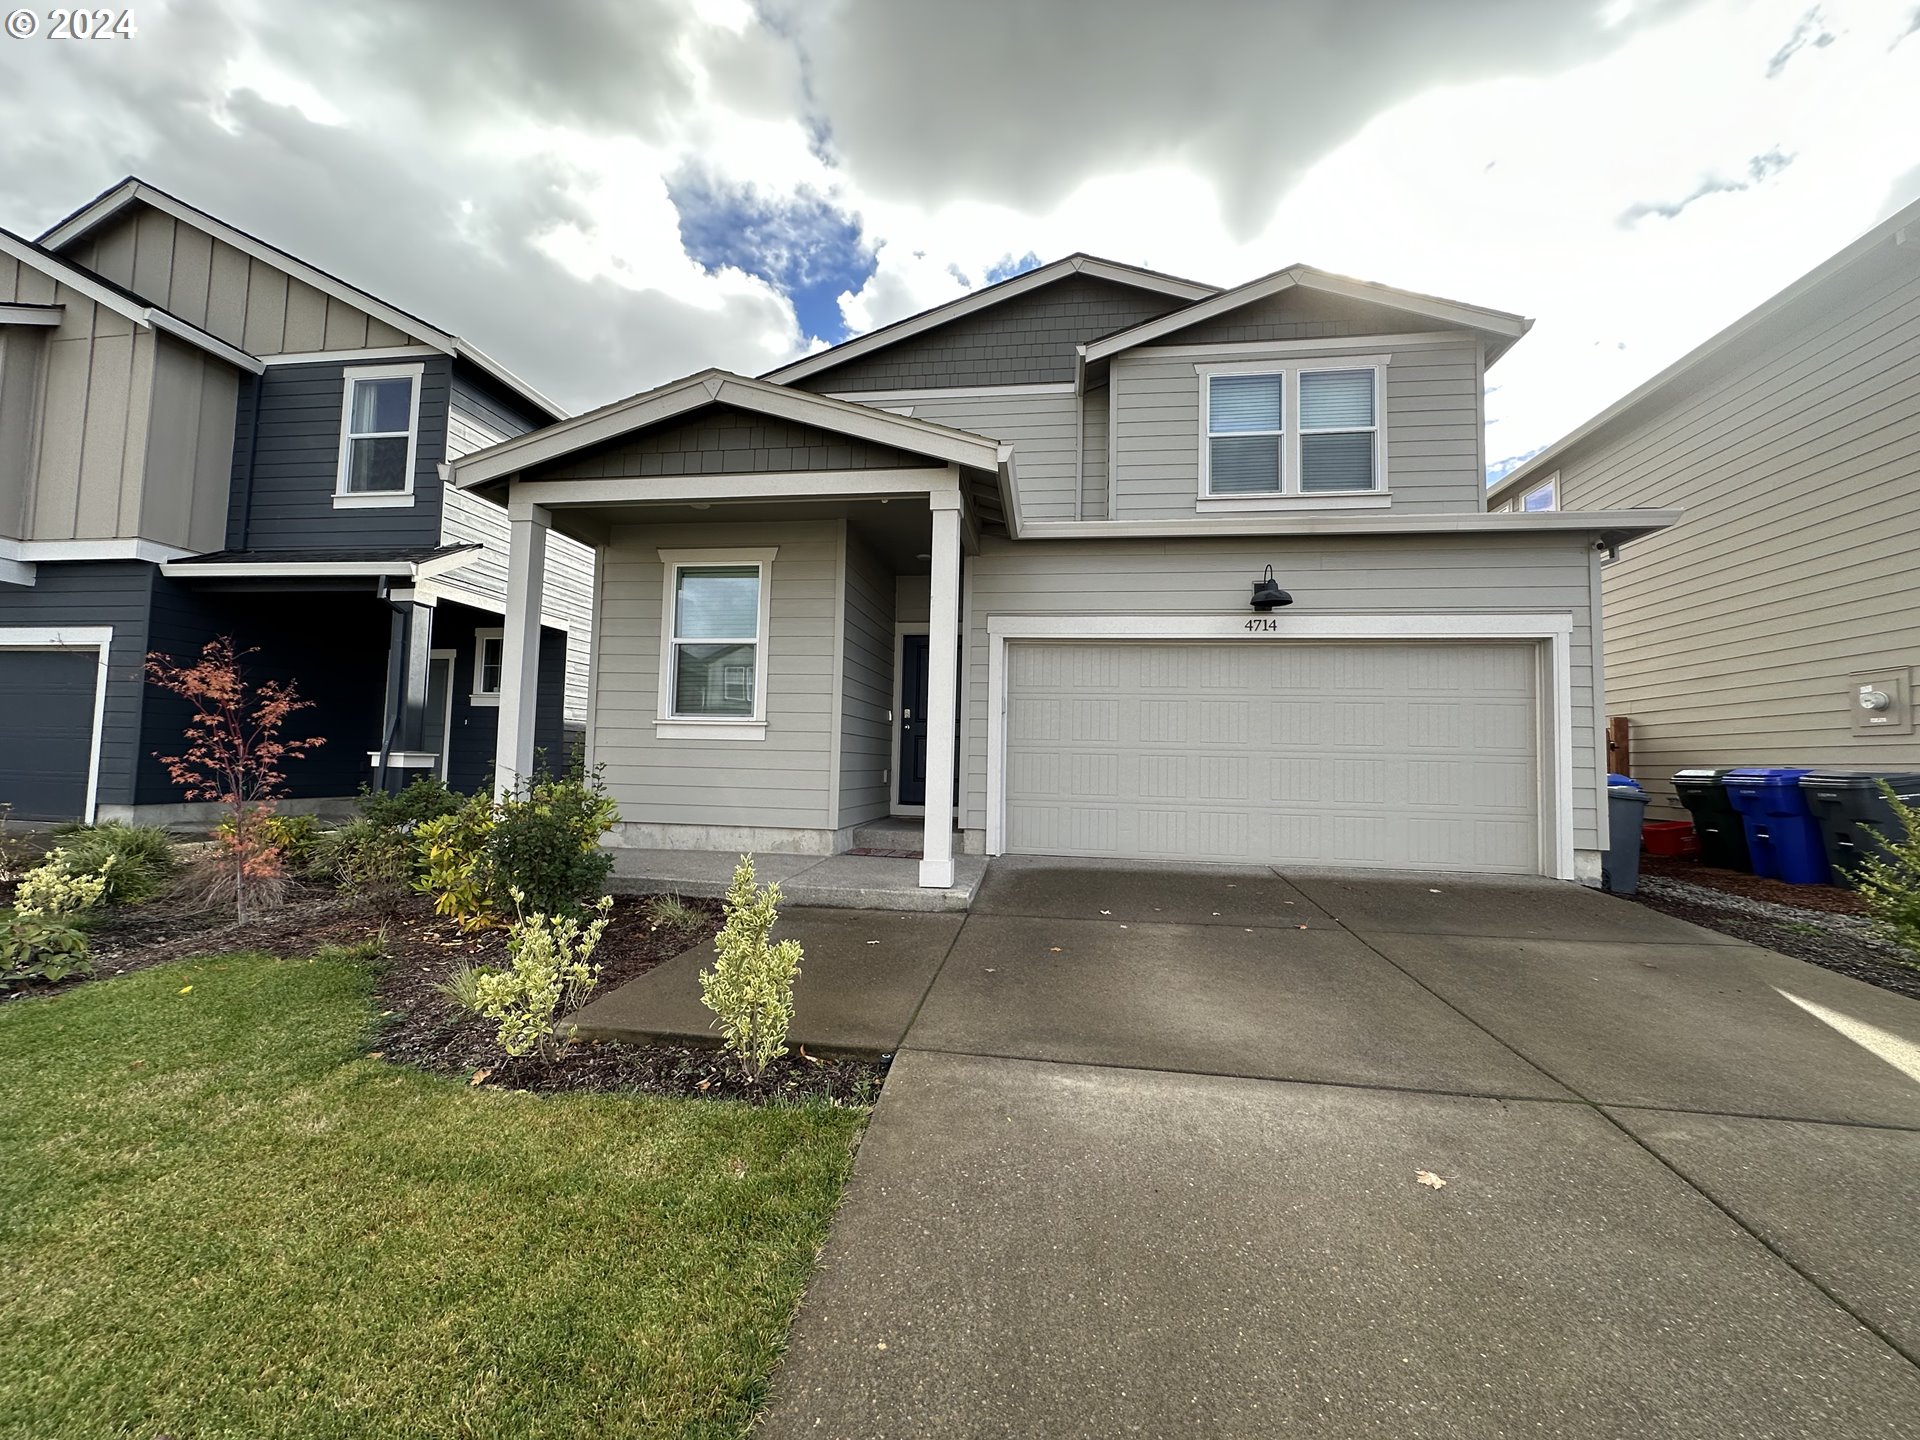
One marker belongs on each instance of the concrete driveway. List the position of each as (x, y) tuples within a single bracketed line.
[(1149, 1163)]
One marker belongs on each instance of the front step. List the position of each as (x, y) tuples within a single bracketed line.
[(895, 833)]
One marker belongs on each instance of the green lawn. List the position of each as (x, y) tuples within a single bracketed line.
[(218, 1217)]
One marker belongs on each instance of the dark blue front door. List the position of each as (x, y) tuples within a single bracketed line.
[(913, 720)]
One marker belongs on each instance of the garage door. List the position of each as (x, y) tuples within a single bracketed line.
[(1410, 755), (46, 731)]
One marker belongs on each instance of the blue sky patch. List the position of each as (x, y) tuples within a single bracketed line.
[(801, 244), (1010, 267)]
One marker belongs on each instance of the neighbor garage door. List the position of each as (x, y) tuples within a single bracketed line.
[(46, 732), (1411, 755)]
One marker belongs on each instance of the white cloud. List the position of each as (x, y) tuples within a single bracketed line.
[(506, 170)]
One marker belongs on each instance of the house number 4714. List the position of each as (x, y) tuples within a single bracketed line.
[(1261, 623)]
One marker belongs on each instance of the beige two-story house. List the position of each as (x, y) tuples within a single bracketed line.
[(1093, 562), (1775, 624)]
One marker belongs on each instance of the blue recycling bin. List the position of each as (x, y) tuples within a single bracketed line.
[(1783, 837)]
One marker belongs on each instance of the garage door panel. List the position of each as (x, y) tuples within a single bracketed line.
[(1380, 755), (46, 731)]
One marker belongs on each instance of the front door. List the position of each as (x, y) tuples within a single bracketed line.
[(911, 788), (913, 720), (439, 708)]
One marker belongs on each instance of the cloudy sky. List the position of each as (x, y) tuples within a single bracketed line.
[(606, 196)]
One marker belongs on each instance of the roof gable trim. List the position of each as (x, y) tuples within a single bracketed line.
[(1450, 312), (130, 191), (717, 387)]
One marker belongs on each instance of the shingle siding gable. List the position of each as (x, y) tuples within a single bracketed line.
[(1027, 340)]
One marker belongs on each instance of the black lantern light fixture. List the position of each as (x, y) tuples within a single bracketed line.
[(1267, 594)]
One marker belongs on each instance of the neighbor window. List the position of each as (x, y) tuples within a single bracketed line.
[(1332, 447), (716, 632), (1542, 497), (489, 664), (378, 432)]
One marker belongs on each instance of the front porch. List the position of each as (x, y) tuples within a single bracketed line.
[(847, 881), (777, 633)]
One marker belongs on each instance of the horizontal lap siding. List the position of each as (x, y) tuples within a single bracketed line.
[(1551, 574), (781, 781), (1042, 430), (1731, 637), (1431, 404), (477, 420), (295, 464), (866, 687), (116, 593)]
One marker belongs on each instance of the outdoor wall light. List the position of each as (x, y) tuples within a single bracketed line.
[(1267, 594)]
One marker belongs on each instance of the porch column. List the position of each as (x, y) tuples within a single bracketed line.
[(412, 732), (943, 662), (520, 646)]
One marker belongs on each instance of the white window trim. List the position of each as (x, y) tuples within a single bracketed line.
[(344, 499), (1290, 496), (666, 724), (99, 639), (1553, 631), (1551, 485), (480, 638)]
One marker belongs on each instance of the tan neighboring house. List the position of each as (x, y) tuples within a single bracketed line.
[(1775, 624)]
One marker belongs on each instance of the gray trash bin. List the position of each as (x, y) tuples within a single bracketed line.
[(1626, 809), (1855, 819)]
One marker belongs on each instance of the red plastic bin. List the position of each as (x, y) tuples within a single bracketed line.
[(1669, 837)]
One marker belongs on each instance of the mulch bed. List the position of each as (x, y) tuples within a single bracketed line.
[(424, 1028), (1820, 924), (421, 1026), (1833, 898)]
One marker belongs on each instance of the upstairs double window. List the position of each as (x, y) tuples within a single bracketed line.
[(379, 435), (1290, 431)]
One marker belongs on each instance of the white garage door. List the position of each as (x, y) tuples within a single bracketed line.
[(1420, 755)]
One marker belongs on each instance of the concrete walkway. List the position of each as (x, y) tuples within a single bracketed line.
[(854, 882), (1149, 1163)]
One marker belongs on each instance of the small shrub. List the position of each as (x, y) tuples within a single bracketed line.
[(57, 887), (750, 988), (40, 947), (545, 844), (297, 837), (670, 912), (142, 857), (551, 975), (1890, 883), (426, 798), (369, 862), (536, 851), (462, 987), (455, 867)]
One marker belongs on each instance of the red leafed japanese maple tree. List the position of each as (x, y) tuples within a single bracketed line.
[(234, 754)]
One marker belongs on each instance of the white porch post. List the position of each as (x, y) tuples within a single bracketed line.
[(520, 648), (943, 662)]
